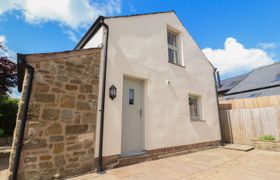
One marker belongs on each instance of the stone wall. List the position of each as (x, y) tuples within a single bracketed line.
[(266, 145), (59, 138)]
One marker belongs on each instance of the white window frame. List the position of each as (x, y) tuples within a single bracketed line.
[(198, 117), (175, 48)]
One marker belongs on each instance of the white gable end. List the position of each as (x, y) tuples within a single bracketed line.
[(96, 40), (138, 48)]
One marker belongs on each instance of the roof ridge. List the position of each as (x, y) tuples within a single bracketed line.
[(264, 66), (140, 14), (57, 52), (254, 69), (233, 77)]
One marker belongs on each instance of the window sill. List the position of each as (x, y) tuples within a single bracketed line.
[(177, 64), (194, 120)]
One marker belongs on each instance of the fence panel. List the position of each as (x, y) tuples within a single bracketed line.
[(245, 119)]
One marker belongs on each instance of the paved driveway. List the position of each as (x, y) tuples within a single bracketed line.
[(215, 164)]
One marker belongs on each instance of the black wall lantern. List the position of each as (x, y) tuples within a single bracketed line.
[(112, 92)]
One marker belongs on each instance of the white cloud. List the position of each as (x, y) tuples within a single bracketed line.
[(4, 49), (72, 36), (73, 13), (2, 40), (6, 6), (270, 45), (235, 59)]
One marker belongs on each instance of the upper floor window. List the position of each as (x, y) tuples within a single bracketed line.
[(173, 50)]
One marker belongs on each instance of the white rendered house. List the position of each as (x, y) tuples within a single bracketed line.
[(165, 87), (135, 88)]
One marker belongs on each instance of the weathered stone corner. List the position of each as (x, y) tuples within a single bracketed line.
[(59, 140)]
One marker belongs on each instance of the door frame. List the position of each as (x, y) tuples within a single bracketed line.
[(142, 151)]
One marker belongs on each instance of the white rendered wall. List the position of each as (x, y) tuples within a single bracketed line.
[(138, 48), (96, 40)]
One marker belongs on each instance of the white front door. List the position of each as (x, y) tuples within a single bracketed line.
[(132, 126)]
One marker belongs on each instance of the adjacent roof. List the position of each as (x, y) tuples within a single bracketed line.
[(264, 81), (251, 94), (228, 84)]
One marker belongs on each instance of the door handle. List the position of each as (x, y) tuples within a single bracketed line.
[(140, 113)]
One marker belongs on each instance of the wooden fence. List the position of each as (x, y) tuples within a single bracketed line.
[(245, 119)]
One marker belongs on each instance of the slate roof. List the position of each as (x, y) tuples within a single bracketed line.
[(257, 93), (259, 78), (264, 81), (229, 83)]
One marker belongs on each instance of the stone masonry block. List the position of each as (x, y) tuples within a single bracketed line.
[(76, 129), (67, 101), (50, 114)]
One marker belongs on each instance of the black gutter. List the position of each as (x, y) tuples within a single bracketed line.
[(101, 132), (93, 29), (217, 99), (22, 65), (250, 90)]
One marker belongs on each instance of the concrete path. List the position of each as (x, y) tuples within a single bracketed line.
[(4, 161), (215, 164), (4, 165)]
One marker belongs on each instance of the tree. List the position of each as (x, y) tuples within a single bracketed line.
[(8, 105), (8, 75)]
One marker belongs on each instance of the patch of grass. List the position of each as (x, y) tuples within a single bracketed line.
[(267, 137)]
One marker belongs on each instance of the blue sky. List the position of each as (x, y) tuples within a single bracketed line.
[(235, 35)]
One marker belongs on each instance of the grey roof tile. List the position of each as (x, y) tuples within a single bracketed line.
[(229, 83), (258, 93), (259, 78)]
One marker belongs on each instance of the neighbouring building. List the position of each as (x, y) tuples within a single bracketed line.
[(227, 84), (263, 81), (135, 88)]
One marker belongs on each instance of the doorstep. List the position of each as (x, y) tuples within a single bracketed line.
[(238, 147), (129, 160)]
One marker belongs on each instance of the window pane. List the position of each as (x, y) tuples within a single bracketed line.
[(172, 39), (172, 48), (131, 96), (194, 109), (170, 55), (175, 57)]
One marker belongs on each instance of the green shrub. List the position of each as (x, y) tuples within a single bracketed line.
[(267, 137), (1, 132), (8, 114)]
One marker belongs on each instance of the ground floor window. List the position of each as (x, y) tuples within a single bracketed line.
[(195, 109)]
